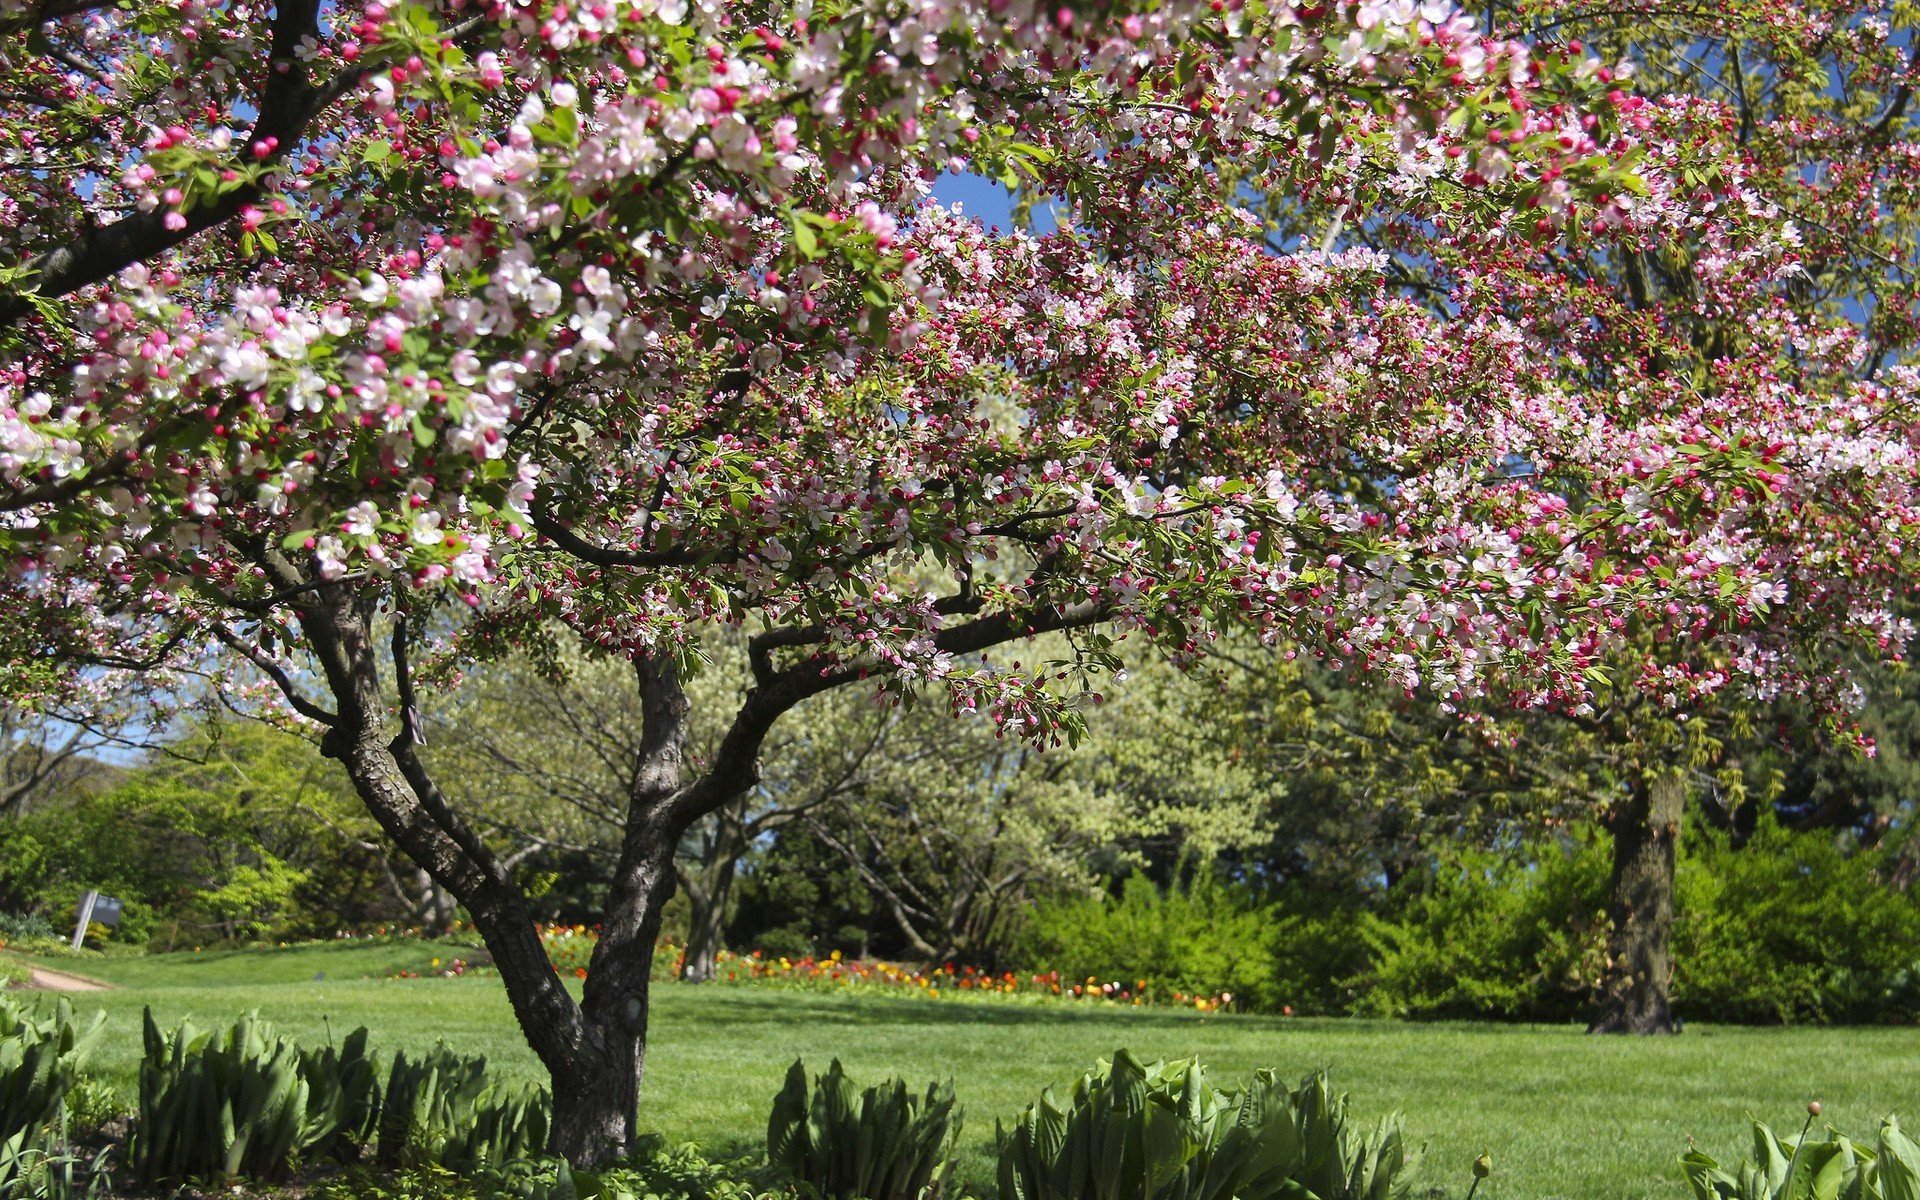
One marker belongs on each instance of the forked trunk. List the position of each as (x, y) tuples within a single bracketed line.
[(1646, 829), (596, 1096), (594, 1050), (596, 1092)]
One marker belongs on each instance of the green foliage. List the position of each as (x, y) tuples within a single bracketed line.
[(92, 1105), (1831, 1167), (880, 1144), (18, 927), (1785, 926), (40, 1057), (1490, 935), (1203, 938), (441, 1109), (236, 834), (343, 1095), (41, 1167), (654, 1172), (1791, 927), (223, 1104), (1162, 1131), (248, 1103)]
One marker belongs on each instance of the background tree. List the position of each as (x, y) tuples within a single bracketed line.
[(545, 753)]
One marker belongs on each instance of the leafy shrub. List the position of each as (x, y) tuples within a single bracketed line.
[(20, 927), (880, 1144), (1490, 935), (784, 943), (1164, 1132), (1790, 926), (1829, 1168), (440, 1109), (222, 1104), (1786, 927), (1320, 963), (1201, 939)]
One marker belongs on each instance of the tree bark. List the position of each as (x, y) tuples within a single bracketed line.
[(596, 1104), (1646, 829)]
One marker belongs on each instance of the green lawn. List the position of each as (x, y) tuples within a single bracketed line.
[(1565, 1115)]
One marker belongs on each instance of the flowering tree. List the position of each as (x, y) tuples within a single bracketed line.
[(1803, 113), (337, 338)]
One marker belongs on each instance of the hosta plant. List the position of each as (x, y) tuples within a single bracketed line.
[(343, 1096), (40, 1057), (1163, 1131), (884, 1143), (1830, 1167), (440, 1109), (216, 1104)]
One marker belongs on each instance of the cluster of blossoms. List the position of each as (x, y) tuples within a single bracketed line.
[(641, 316)]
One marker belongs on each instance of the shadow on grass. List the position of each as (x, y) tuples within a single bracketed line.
[(781, 1006)]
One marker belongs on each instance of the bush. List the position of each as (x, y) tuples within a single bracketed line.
[(1202, 939), (1802, 1167), (20, 927), (1164, 1132), (1790, 927), (880, 1144), (784, 943), (1490, 935), (1786, 927)]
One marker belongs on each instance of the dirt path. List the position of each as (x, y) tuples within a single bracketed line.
[(60, 981)]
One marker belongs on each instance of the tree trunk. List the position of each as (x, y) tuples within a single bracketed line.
[(709, 889), (1633, 995), (595, 1104), (594, 1050)]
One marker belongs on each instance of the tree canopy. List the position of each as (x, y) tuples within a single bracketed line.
[(342, 339)]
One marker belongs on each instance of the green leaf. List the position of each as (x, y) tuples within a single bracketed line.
[(805, 240)]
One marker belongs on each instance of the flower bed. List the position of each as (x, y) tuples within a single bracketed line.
[(570, 949)]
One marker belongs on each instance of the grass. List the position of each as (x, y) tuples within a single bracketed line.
[(1565, 1115)]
